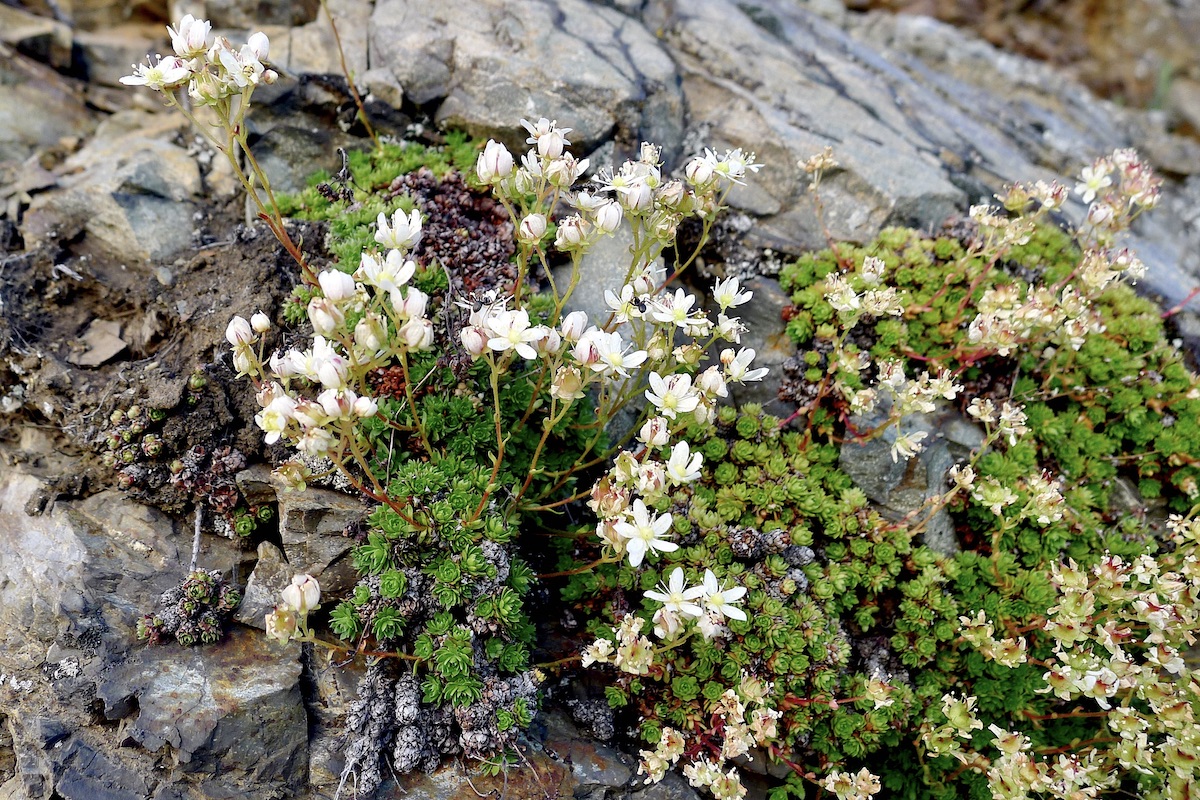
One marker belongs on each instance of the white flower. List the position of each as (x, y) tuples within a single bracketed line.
[(166, 73), (908, 445), (622, 305), (727, 294), (699, 171), (403, 233), (563, 171), (243, 68), (274, 419), (549, 138), (190, 39), (239, 332), (674, 309), (683, 466), (337, 286), (655, 432), (736, 366), (675, 597), (712, 383), (644, 534), (387, 275), (303, 594), (672, 395), (719, 601), (260, 322), (533, 228), (365, 407), (613, 356), (495, 162), (514, 333), (326, 365), (1095, 178), (417, 333)]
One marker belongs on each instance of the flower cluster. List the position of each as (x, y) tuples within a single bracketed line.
[(289, 619), (739, 720), (213, 70)]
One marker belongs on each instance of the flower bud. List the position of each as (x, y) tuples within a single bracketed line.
[(573, 325), (671, 194), (365, 407), (495, 162), (244, 362), (533, 228), (699, 171), (548, 341), (260, 322), (607, 216), (586, 351), (337, 286), (572, 233), (337, 404), (413, 305), (370, 332), (655, 432), (474, 339), (325, 316), (417, 334), (239, 333), (260, 45), (303, 594)]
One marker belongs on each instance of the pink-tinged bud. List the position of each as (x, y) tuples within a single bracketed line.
[(417, 334), (533, 228), (655, 432), (337, 404), (269, 76), (337, 286), (671, 194), (281, 624), (365, 407), (494, 163), (239, 333), (607, 216), (712, 382), (474, 339), (325, 316), (572, 233), (573, 325), (644, 283), (303, 594), (260, 322), (586, 351)]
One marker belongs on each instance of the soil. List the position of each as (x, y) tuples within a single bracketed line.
[(170, 355)]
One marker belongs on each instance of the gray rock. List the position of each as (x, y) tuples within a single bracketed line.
[(47, 40), (271, 574), (108, 53), (233, 707), (38, 107), (492, 62), (131, 191), (311, 524), (671, 787), (594, 766)]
